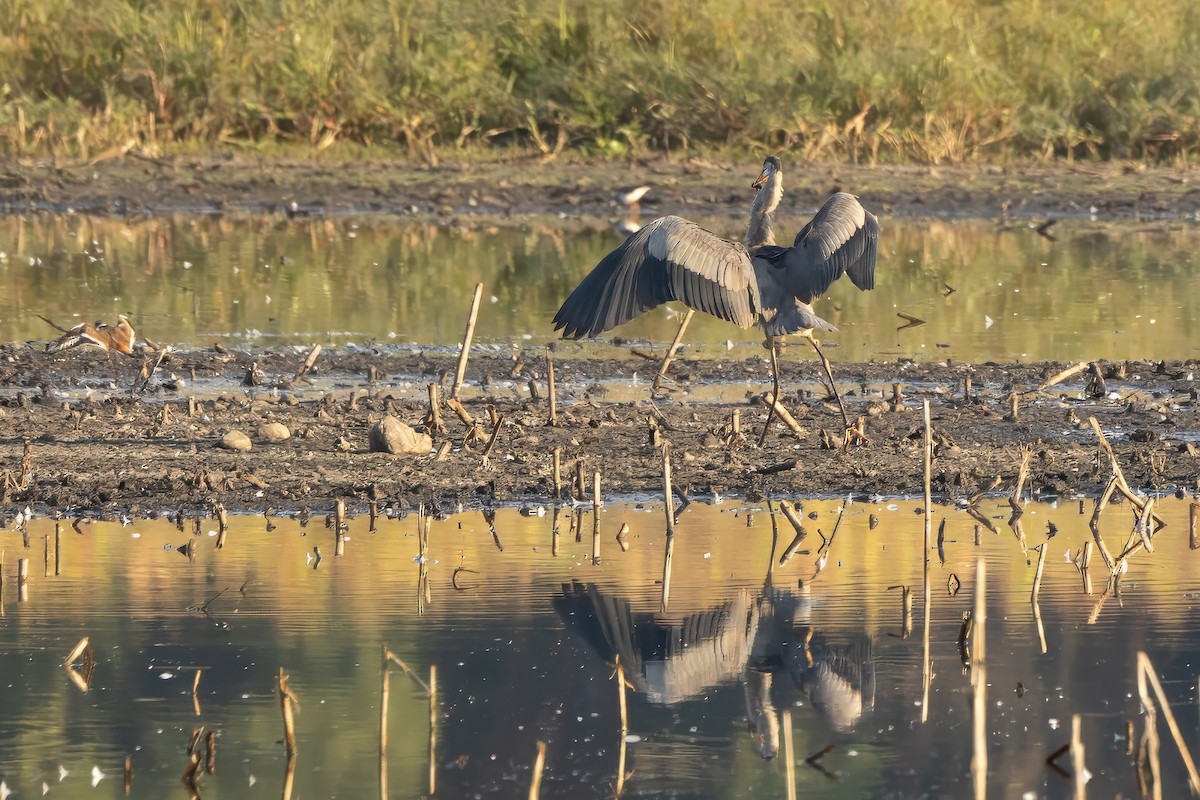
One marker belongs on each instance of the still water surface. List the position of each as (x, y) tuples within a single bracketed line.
[(524, 647), (1112, 290)]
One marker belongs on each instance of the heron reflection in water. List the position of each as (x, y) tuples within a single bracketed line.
[(748, 638)]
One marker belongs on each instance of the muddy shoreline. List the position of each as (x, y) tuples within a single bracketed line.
[(96, 448), (234, 183)]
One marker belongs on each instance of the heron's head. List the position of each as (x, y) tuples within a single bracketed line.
[(771, 168)]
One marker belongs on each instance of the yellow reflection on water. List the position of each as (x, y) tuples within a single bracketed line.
[(1097, 290), (506, 622)]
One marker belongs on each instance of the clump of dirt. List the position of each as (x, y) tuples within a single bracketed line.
[(78, 440)]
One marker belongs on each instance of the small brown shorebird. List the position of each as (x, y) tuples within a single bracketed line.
[(119, 337)]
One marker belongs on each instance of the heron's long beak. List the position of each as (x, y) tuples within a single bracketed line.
[(760, 180)]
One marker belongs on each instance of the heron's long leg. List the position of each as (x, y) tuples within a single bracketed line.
[(832, 385), (662, 371), (775, 397)]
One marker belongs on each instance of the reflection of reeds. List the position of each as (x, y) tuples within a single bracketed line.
[(287, 707), (789, 753), (539, 762), (926, 663), (979, 758), (1148, 677)]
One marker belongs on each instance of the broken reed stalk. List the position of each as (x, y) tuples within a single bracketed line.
[(596, 517), (58, 548), (308, 364), (468, 334), (773, 403), (1022, 475), (979, 758), (1059, 377), (339, 527), (1078, 768), (926, 664), (1037, 574), (579, 488), (210, 752), (1194, 526), (789, 752), (385, 688), (539, 763), (491, 442), (666, 363), (621, 695), (1122, 485), (556, 463), (434, 421), (553, 421), (1146, 674), (666, 579), (287, 703), (668, 499), (1085, 562)]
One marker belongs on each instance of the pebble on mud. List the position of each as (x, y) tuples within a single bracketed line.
[(274, 432), (236, 440), (390, 435)]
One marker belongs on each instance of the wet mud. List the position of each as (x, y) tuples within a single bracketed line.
[(76, 439), (468, 191)]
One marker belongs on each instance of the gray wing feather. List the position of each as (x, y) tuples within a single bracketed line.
[(841, 238), (669, 259)]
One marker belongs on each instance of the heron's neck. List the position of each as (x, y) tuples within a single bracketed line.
[(762, 212)]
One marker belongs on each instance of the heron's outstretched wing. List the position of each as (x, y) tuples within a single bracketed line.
[(669, 259), (841, 238)]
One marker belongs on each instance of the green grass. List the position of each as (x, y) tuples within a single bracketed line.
[(937, 81)]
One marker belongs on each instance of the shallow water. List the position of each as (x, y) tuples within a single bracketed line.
[(523, 651), (1121, 289)]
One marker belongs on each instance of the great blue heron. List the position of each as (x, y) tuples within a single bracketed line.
[(119, 337), (768, 285)]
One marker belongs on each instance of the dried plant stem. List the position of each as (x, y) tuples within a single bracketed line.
[(779, 409), (553, 421), (1037, 574), (666, 363), (1022, 475), (287, 703), (668, 498), (308, 363), (556, 465), (434, 421), (468, 334), (621, 695), (1194, 526), (1069, 372)]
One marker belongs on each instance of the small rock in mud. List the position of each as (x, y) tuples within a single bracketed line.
[(390, 435), (274, 432), (236, 440)]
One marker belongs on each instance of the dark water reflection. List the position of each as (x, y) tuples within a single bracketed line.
[(1117, 290), (524, 651)]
